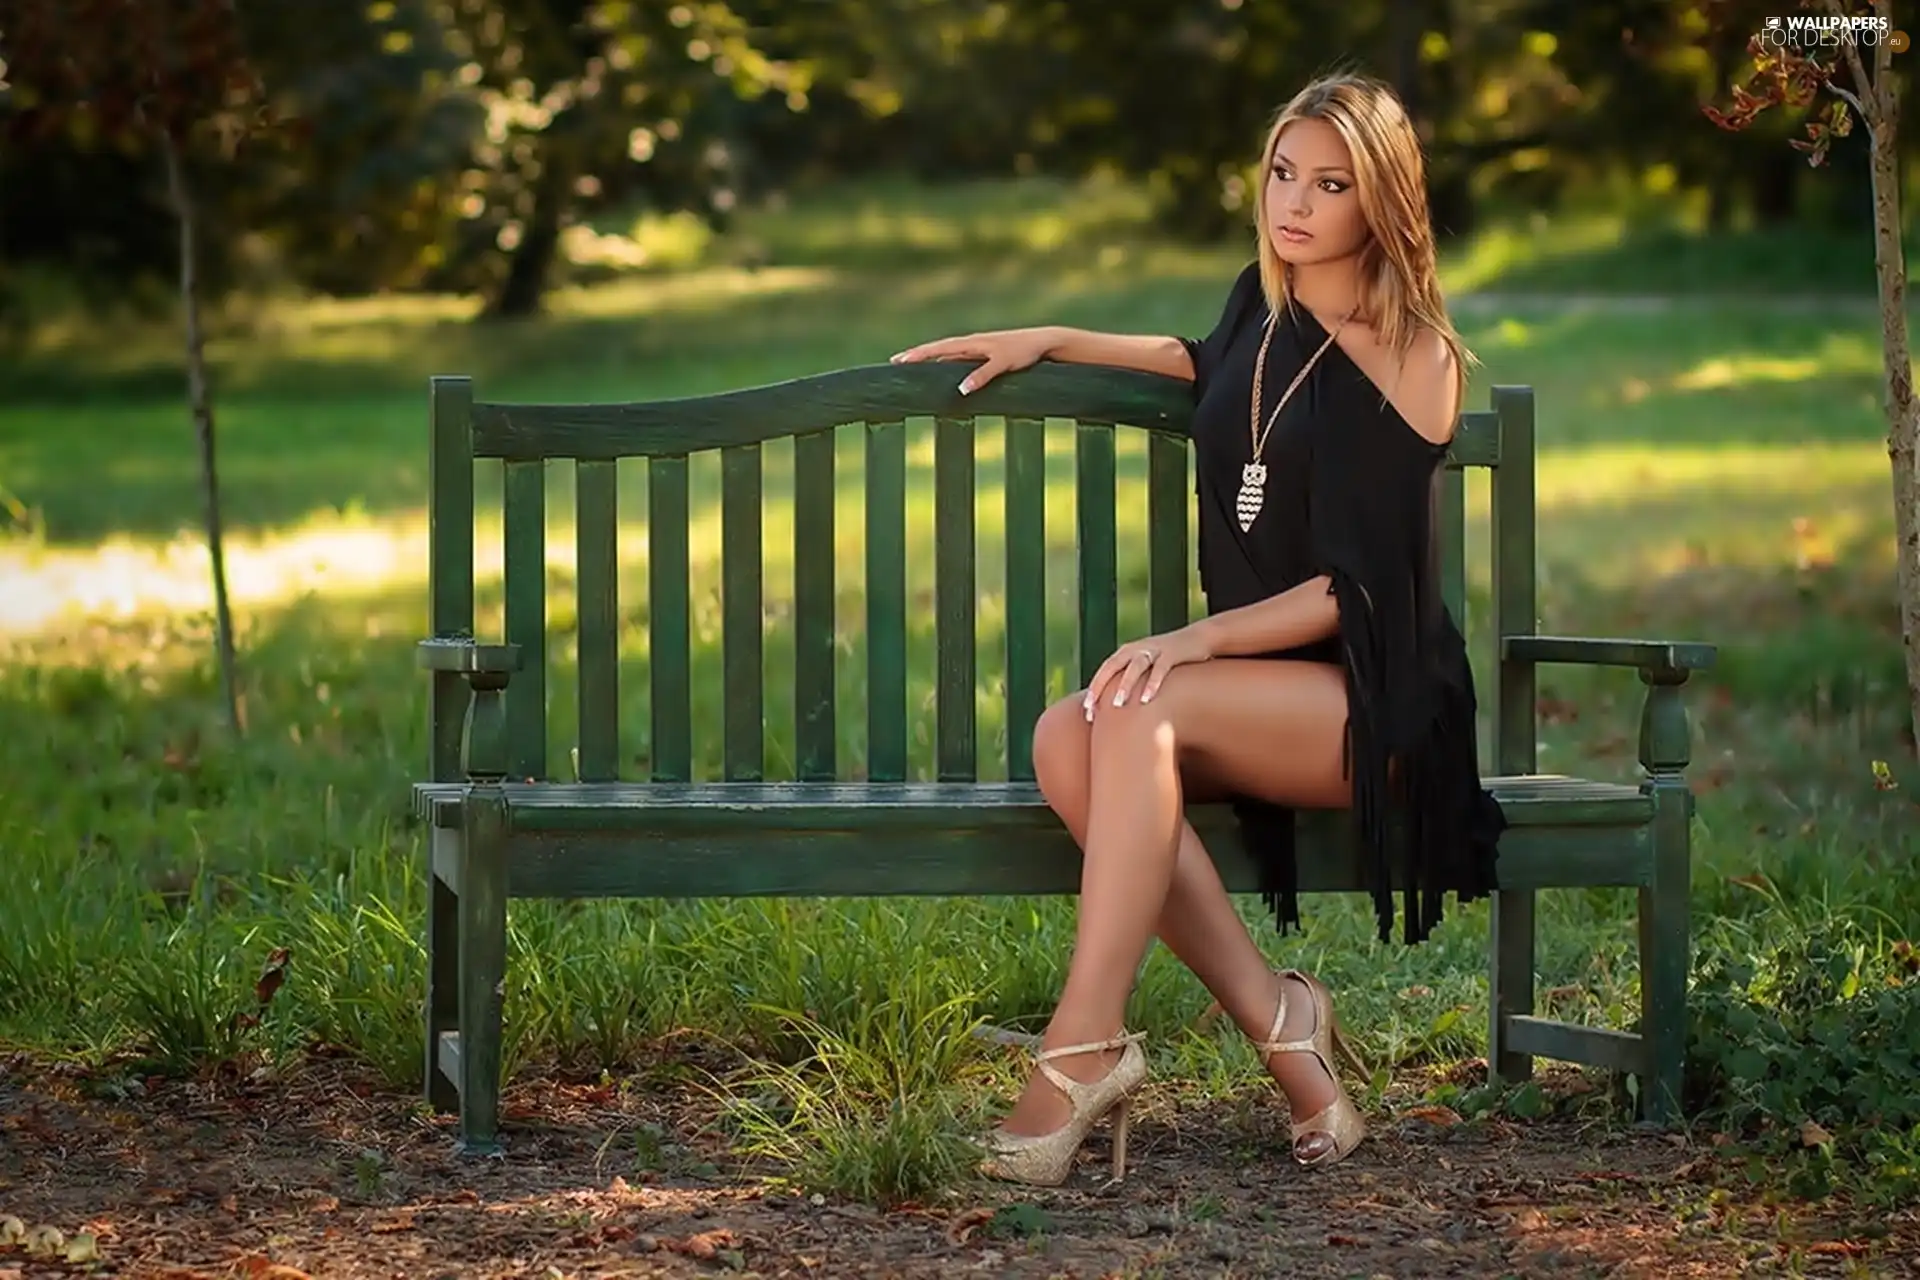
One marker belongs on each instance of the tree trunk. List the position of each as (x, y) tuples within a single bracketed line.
[(202, 408), (525, 287), (1903, 413)]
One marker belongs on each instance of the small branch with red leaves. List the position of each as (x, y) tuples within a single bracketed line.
[(1784, 76)]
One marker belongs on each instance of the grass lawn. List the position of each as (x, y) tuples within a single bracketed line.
[(1714, 469)]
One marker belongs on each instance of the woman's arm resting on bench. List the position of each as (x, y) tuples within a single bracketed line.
[(1007, 350)]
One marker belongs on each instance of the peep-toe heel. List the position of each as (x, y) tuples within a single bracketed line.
[(1045, 1159), (1339, 1121)]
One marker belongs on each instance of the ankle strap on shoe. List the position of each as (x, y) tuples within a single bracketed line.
[(1067, 1051)]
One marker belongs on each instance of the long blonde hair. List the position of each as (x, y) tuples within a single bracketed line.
[(1399, 272)]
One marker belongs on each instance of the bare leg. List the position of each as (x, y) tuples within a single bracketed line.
[(1279, 738)]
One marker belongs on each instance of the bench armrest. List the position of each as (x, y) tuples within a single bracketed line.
[(1665, 748), (487, 668), (1680, 656)]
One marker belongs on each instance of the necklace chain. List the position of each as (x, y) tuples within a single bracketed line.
[(1253, 478)]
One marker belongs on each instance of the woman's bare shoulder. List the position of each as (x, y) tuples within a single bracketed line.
[(1421, 384)]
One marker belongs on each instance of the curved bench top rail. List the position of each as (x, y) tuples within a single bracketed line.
[(1089, 394), (822, 401)]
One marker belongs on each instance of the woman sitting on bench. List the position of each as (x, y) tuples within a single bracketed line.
[(1326, 673)]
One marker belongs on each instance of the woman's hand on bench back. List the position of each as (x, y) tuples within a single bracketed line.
[(1000, 351)]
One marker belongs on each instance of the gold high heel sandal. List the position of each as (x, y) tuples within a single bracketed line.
[(1339, 1121), (1045, 1159)]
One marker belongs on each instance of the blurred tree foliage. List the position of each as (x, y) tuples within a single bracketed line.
[(449, 144)]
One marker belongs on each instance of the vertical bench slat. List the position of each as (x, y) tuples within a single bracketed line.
[(596, 549), (1098, 555), (449, 562), (743, 612), (669, 619), (526, 568), (955, 594), (887, 601), (1026, 499), (1166, 532), (813, 606), (1451, 529)]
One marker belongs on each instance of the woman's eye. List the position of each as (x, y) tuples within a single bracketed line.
[(1333, 185)]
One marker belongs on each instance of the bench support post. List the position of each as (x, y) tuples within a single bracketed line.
[(483, 965), (482, 913), (1515, 750), (1665, 958)]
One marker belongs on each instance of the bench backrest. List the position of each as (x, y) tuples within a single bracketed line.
[(1094, 407)]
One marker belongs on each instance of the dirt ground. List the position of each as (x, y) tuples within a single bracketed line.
[(333, 1175)]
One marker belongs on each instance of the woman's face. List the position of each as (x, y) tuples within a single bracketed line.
[(1313, 211)]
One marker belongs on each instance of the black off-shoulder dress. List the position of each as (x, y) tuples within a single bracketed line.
[(1351, 490)]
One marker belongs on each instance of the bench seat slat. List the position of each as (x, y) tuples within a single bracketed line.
[(728, 839)]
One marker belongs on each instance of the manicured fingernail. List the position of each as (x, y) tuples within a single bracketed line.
[(1120, 699), (1147, 696), (966, 388)]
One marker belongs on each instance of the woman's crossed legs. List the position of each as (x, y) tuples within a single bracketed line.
[(1267, 728)]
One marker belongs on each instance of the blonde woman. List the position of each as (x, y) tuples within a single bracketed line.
[(1326, 672)]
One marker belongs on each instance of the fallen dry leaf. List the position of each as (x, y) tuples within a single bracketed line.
[(272, 975), (398, 1222), (703, 1246), (255, 1267), (964, 1224), (1527, 1219), (1812, 1135), (1445, 1117)]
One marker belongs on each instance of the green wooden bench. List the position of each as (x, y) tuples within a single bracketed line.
[(502, 827)]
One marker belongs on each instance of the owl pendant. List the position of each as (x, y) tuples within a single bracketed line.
[(1253, 492)]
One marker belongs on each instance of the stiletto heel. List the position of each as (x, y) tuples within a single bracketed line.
[(1339, 1121), (1347, 1051), (1045, 1159)]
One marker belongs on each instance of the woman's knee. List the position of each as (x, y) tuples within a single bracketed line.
[(1061, 740)]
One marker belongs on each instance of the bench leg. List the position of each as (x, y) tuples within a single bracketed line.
[(1665, 953), (1510, 984), (483, 966), (443, 967)]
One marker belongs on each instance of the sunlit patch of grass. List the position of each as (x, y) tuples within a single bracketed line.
[(1499, 251)]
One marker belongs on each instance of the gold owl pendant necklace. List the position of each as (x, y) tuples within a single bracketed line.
[(1253, 476)]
